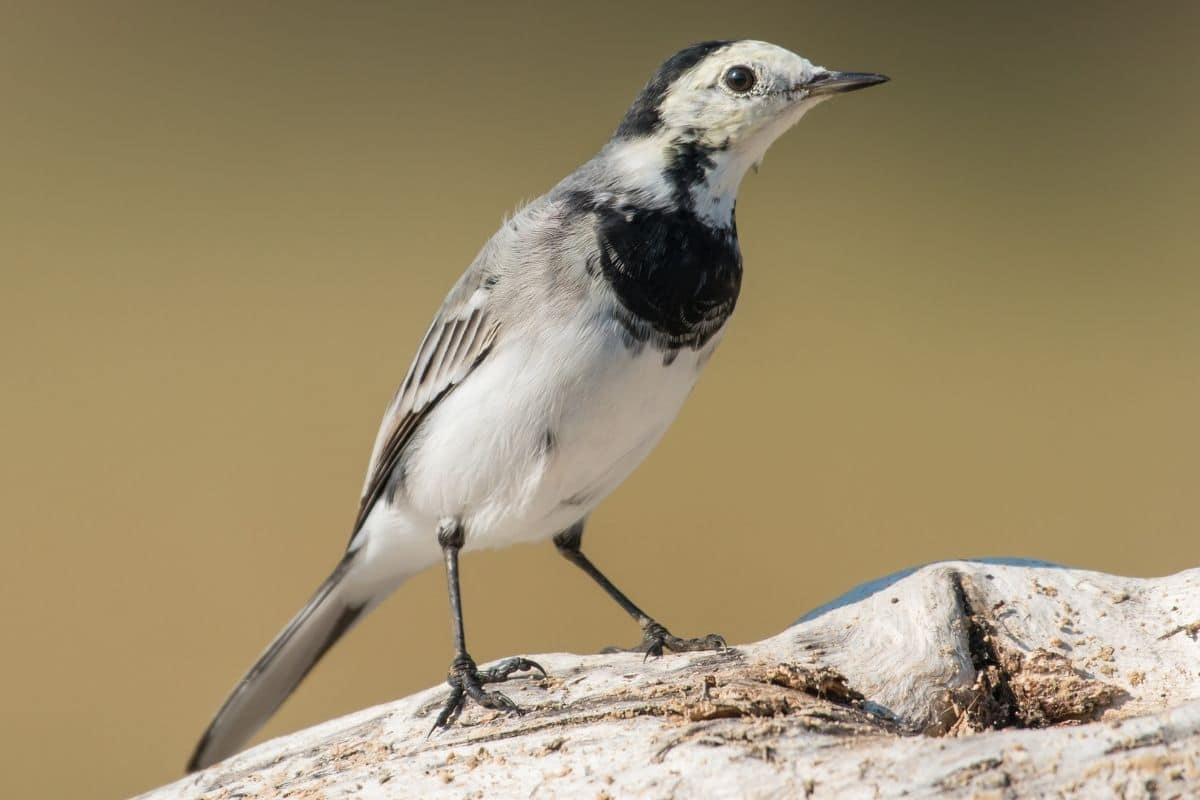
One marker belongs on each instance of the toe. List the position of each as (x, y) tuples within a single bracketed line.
[(653, 648), (711, 642), (450, 711), (501, 671), (497, 701), (518, 664)]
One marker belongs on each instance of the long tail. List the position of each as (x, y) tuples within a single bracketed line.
[(332, 611)]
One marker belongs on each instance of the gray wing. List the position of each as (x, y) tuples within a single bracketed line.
[(460, 338)]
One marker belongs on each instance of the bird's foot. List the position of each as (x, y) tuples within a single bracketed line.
[(467, 681), (656, 638)]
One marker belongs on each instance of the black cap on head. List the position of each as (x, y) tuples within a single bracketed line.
[(643, 117)]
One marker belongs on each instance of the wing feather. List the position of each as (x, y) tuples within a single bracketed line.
[(459, 338)]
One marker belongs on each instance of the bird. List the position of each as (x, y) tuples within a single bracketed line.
[(554, 366)]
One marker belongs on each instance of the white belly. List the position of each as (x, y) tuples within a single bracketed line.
[(541, 432)]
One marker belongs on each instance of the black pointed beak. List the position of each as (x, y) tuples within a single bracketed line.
[(827, 82)]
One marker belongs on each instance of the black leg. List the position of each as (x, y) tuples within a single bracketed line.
[(465, 679), (655, 637)]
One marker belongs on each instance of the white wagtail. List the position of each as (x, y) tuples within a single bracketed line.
[(556, 363)]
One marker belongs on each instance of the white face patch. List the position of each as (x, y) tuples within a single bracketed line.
[(699, 99), (734, 128)]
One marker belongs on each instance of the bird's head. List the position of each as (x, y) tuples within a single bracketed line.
[(711, 111)]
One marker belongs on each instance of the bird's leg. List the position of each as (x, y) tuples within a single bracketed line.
[(465, 679), (655, 637)]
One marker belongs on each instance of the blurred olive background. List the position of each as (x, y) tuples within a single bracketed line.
[(968, 327)]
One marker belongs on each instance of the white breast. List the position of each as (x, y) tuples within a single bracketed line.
[(546, 427)]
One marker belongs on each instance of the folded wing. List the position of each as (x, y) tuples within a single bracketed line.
[(458, 340)]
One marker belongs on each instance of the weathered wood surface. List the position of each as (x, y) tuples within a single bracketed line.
[(958, 679)]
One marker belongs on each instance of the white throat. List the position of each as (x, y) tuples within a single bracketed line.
[(715, 198), (643, 166)]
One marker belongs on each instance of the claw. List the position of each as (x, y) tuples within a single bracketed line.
[(450, 711), (466, 681)]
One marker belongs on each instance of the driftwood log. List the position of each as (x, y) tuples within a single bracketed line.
[(958, 679)]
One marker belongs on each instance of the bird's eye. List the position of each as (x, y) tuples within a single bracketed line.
[(740, 79)]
